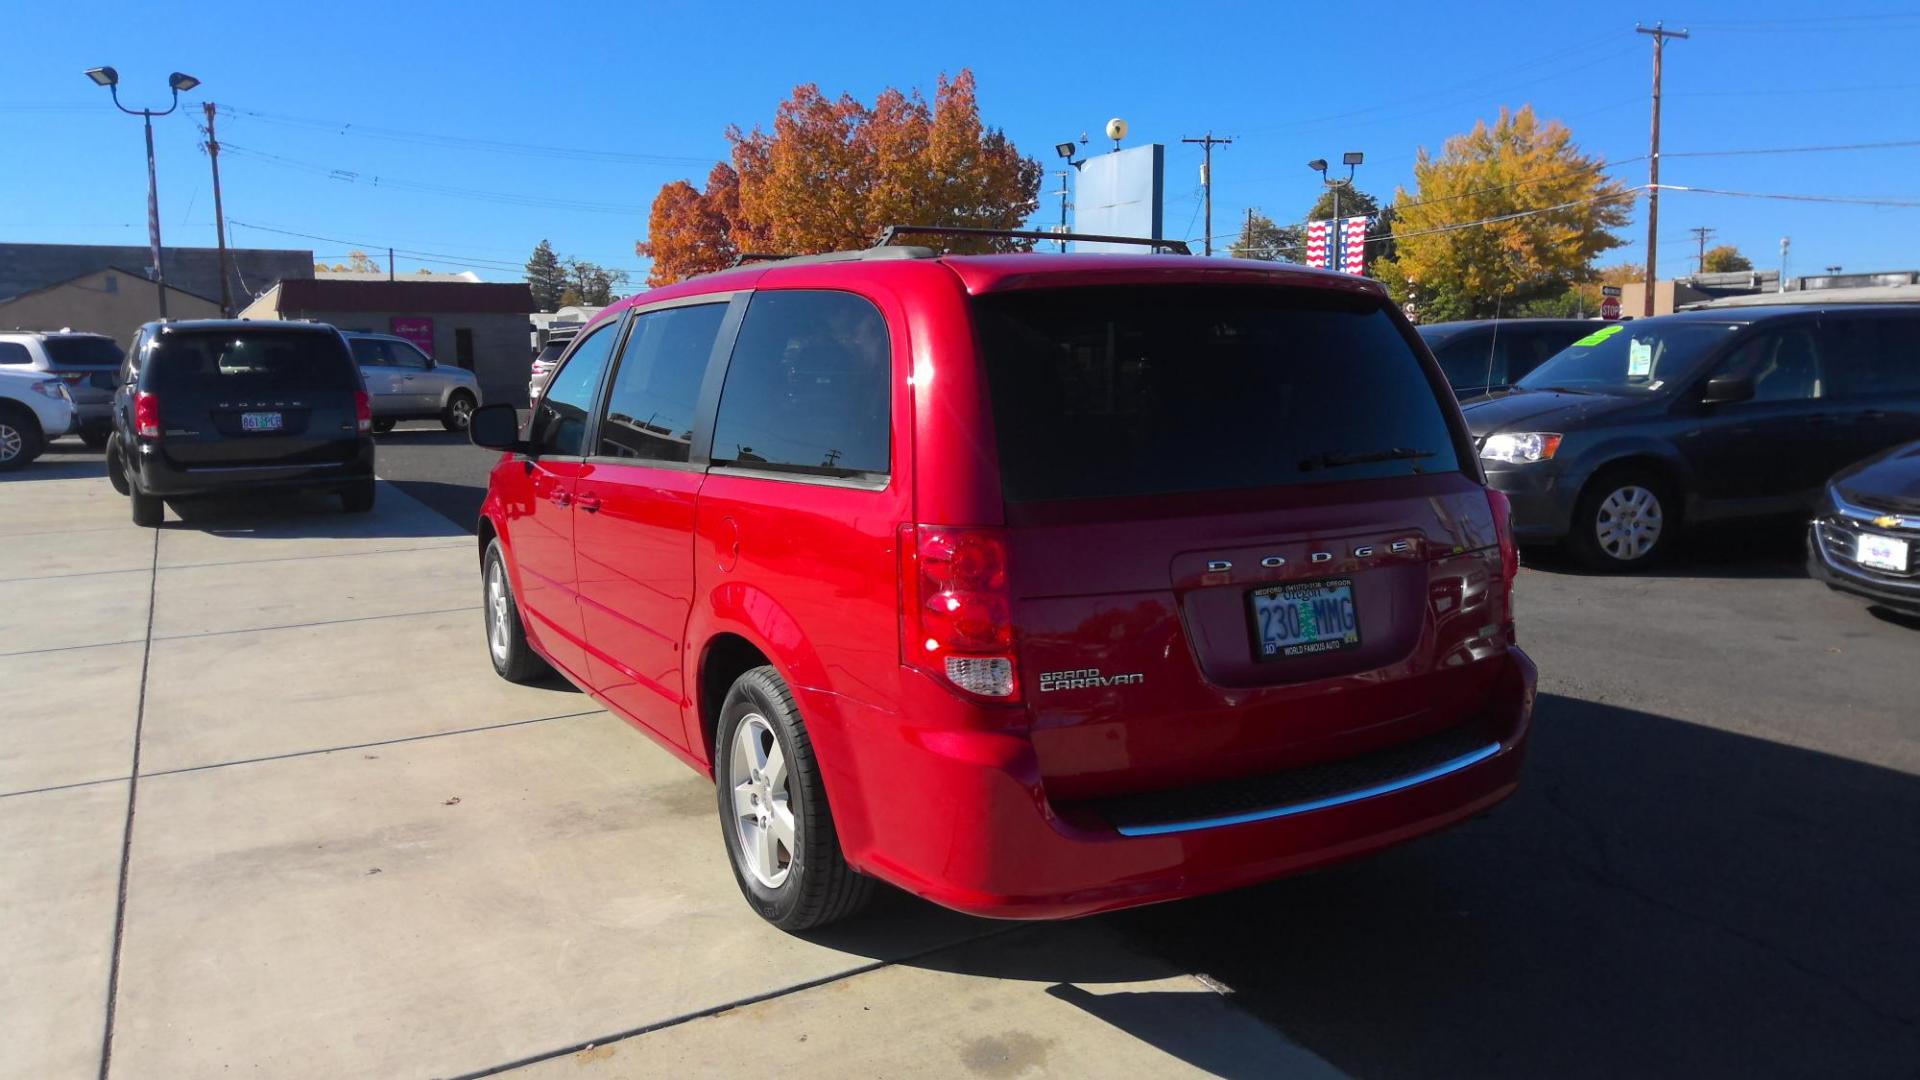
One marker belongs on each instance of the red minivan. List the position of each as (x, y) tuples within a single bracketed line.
[(1035, 585)]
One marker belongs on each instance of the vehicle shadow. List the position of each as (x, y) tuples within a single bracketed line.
[(56, 463), (1752, 552), (295, 515), (1659, 899)]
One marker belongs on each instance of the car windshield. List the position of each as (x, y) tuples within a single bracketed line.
[(83, 351), (1633, 358), (1104, 392), (225, 362)]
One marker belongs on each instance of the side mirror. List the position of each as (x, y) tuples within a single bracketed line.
[(496, 427), (1728, 389)]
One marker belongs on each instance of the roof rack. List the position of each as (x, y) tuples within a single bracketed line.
[(891, 232), (746, 257)]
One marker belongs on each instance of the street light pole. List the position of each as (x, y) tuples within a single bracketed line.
[(109, 78), (1352, 159)]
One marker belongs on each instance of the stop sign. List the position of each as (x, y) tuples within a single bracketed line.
[(1610, 307)]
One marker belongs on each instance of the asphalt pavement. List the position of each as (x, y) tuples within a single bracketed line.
[(1712, 867)]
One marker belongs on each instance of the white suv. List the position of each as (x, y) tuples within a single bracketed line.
[(88, 363), (33, 409)]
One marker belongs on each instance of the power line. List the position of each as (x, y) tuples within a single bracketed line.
[(438, 258), (463, 142), (353, 176), (1850, 200), (1799, 149)]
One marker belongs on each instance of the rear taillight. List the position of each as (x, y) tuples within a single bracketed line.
[(957, 614), (362, 411), (1509, 553), (146, 415)]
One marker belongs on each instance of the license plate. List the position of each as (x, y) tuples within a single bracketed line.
[(1878, 552), (1302, 618), (260, 421)]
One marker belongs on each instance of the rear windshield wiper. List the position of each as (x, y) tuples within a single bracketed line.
[(1334, 459)]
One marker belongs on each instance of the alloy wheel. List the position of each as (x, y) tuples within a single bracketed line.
[(763, 819), (1629, 523), (11, 442), (499, 613), (462, 412)]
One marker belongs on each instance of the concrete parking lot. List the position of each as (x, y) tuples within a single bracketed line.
[(264, 807)]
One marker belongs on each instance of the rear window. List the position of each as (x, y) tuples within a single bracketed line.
[(1147, 391), (83, 351), (228, 362)]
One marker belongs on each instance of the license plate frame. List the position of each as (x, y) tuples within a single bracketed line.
[(1875, 551), (1295, 593), (263, 423)]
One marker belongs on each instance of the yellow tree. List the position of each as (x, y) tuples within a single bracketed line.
[(1504, 213), (833, 172)]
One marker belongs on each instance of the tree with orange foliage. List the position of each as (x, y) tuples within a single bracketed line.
[(832, 173)]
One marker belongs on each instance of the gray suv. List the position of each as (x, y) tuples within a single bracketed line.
[(89, 365), (407, 384)]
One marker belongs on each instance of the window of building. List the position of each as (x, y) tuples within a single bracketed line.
[(657, 384), (807, 388)]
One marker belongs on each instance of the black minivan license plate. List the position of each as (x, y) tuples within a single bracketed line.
[(1303, 617), (261, 421)]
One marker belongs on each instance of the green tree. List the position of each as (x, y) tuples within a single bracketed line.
[(1505, 214), (1725, 259), (1260, 238), (546, 277), (592, 284)]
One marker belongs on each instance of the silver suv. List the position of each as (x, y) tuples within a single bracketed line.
[(89, 365), (407, 384)]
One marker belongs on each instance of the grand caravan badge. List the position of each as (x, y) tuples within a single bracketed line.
[(1084, 679)]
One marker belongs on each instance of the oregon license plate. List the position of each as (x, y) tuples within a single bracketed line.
[(260, 421), (1303, 617), (1878, 552)]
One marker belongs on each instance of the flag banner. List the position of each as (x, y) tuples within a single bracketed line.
[(1317, 243), (1353, 245)]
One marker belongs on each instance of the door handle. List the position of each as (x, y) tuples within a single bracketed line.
[(561, 498), (1874, 414), (589, 503)]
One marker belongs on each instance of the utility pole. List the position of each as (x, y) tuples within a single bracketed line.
[(1207, 142), (219, 212), (1659, 32), (1246, 232), (389, 264), (1064, 205), (1786, 243), (1700, 233)]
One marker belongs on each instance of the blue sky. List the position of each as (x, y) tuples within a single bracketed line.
[(640, 93)]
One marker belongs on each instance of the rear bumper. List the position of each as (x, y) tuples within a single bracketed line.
[(153, 474), (973, 829)]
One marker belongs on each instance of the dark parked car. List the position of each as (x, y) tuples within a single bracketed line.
[(224, 405), (1695, 417), (1865, 537), (1480, 355)]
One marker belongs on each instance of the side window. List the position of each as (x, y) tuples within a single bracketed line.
[(559, 423), (1869, 358), (407, 356), (1465, 360), (1783, 363), (369, 353), (808, 386), (650, 407), (12, 352)]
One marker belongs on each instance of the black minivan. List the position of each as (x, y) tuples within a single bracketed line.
[(1479, 356), (1710, 415), (217, 406)]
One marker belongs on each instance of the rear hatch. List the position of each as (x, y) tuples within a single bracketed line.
[(88, 363), (1240, 534), (237, 398)]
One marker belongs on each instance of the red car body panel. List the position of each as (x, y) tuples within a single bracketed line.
[(988, 807)]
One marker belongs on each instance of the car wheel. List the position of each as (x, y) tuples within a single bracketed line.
[(148, 510), (513, 659), (773, 811), (1626, 520), (459, 411), (94, 440), (357, 499), (117, 469), (381, 427), (20, 440)]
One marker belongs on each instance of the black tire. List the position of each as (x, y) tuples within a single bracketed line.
[(94, 440), (20, 438), (459, 411), (357, 499), (814, 886), (1611, 520), (381, 427), (117, 469), (148, 510), (513, 659)]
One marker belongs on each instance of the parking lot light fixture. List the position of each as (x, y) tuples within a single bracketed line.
[(178, 81)]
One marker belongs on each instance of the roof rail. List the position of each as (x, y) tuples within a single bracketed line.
[(746, 257), (892, 232)]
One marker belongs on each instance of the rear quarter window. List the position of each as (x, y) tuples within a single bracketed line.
[(83, 351), (807, 387), (1107, 392)]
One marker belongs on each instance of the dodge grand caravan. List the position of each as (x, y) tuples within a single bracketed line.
[(1034, 585)]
